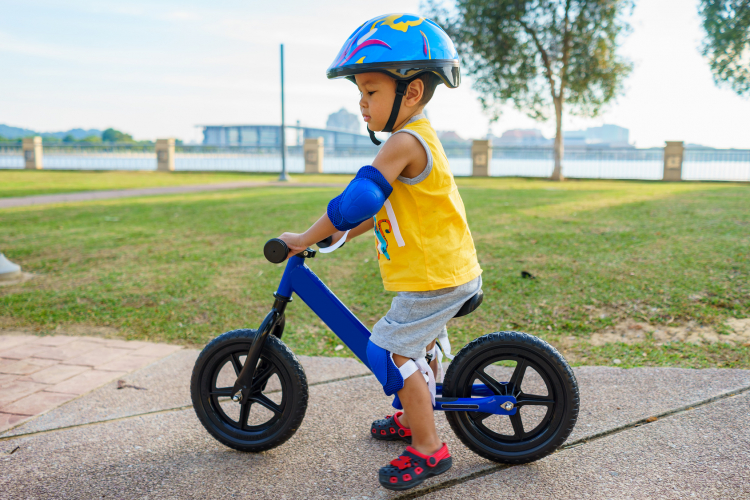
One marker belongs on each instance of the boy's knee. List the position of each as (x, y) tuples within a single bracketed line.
[(392, 370), (385, 370)]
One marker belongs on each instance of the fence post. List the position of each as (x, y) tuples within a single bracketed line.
[(32, 152), (481, 156), (165, 155), (313, 150), (673, 153)]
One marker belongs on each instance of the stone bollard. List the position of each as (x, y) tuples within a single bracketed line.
[(32, 152), (165, 155), (313, 150), (673, 153), (481, 156)]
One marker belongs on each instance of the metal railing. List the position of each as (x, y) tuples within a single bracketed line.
[(716, 165), (646, 164), (11, 155), (105, 156), (237, 158)]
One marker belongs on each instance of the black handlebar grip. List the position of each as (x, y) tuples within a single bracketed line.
[(325, 243), (275, 251)]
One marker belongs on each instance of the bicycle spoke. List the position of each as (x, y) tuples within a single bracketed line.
[(262, 377), (236, 364), (479, 416), (223, 391), (518, 373), (244, 413), (517, 424), (490, 382), (533, 399), (267, 403)]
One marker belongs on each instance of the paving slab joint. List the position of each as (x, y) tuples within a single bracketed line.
[(573, 444)]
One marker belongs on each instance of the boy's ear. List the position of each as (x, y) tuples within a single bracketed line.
[(414, 92)]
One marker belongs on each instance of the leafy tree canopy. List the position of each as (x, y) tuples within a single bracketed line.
[(727, 43), (112, 135), (532, 52)]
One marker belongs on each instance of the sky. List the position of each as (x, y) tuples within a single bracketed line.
[(161, 69)]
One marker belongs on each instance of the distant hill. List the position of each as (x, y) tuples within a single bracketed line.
[(17, 132)]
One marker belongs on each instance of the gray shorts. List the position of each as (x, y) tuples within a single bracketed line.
[(417, 318)]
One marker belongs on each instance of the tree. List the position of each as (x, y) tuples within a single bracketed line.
[(541, 55), (727, 43), (112, 135)]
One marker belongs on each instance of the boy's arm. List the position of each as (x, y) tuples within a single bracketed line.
[(319, 231), (401, 154), (353, 233)]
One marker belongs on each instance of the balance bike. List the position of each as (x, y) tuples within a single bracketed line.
[(250, 391)]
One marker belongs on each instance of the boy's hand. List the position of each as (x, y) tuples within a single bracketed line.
[(294, 242)]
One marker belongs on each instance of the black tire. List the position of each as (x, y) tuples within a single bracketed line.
[(561, 402), (215, 409)]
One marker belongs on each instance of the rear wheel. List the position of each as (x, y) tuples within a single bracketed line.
[(535, 373), (274, 408)]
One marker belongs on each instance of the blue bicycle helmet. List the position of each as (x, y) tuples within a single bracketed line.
[(403, 46)]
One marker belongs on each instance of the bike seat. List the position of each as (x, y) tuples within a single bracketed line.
[(471, 304)]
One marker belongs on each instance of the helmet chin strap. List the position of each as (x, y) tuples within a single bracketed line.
[(401, 86)]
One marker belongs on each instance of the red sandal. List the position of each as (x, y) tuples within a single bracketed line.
[(412, 468), (390, 429)]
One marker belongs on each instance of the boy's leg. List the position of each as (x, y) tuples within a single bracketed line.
[(403, 419), (434, 362), (417, 402)]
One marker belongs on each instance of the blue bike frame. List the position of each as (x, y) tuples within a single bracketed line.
[(299, 279)]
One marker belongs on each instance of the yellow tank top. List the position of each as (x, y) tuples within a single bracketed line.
[(423, 239)]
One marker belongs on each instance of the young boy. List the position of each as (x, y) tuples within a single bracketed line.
[(425, 249)]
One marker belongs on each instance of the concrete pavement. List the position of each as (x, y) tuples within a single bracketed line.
[(129, 443), (40, 373)]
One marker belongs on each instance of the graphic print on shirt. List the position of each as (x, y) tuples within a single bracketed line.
[(380, 235), (393, 223)]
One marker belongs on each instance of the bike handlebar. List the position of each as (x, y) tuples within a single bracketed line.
[(275, 250)]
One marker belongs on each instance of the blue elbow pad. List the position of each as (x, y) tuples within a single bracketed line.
[(362, 198)]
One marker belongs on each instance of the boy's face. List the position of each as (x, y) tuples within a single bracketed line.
[(377, 92)]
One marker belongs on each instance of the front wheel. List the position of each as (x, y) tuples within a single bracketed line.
[(536, 374), (274, 408)]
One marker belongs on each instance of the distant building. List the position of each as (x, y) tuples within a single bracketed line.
[(449, 137), (270, 136), (343, 120), (521, 138), (606, 135)]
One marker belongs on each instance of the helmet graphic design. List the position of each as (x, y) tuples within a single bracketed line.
[(400, 45)]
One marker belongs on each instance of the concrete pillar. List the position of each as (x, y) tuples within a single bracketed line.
[(481, 155), (673, 153), (32, 152), (313, 150), (165, 155)]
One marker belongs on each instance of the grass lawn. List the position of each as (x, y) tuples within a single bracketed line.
[(35, 182), (186, 268)]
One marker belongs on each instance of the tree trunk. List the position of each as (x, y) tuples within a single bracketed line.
[(557, 174)]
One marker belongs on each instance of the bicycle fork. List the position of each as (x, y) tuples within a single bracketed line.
[(243, 386)]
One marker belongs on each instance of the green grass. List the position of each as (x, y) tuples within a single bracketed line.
[(186, 268), (35, 182)]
